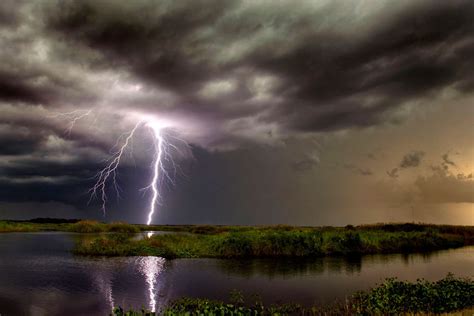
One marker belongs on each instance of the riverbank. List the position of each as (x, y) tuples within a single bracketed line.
[(277, 241), (76, 226), (392, 297), (208, 241)]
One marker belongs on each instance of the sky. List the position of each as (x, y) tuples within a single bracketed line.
[(278, 112)]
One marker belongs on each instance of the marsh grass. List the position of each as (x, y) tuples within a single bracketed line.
[(20, 226), (274, 242), (255, 241), (77, 226), (88, 226), (6, 227), (392, 297)]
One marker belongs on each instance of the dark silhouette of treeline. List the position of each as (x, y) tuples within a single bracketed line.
[(48, 220)]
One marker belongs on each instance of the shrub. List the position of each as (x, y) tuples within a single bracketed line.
[(87, 226), (120, 227), (233, 245), (395, 297)]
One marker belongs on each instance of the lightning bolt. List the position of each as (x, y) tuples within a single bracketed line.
[(157, 165), (108, 175), (110, 171), (161, 154), (72, 117)]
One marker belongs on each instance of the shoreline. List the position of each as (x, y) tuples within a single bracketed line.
[(449, 295), (213, 241)]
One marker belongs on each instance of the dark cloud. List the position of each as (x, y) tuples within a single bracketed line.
[(411, 52), (412, 159), (235, 76), (358, 170), (304, 165), (393, 173), (17, 140), (14, 90), (9, 15), (447, 160)]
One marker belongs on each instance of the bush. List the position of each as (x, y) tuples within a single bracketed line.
[(234, 245), (395, 297), (348, 242), (120, 227), (268, 243), (87, 226)]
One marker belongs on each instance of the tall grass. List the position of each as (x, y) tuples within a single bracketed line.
[(20, 226), (89, 226), (121, 227), (274, 242), (7, 227)]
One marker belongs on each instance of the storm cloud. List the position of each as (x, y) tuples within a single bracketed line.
[(247, 68), (230, 75), (412, 160), (286, 66)]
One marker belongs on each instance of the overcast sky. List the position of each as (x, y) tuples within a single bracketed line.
[(295, 112)]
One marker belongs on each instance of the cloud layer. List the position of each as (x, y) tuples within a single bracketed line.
[(228, 74)]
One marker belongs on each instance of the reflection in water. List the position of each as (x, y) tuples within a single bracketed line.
[(149, 234), (103, 280), (151, 267), (291, 266)]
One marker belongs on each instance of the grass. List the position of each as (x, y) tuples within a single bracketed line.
[(279, 242), (21, 226), (77, 226), (392, 297), (6, 227), (88, 226), (253, 241)]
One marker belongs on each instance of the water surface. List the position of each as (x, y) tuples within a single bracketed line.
[(40, 276)]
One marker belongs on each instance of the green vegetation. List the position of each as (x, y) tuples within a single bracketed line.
[(252, 241), (6, 227), (278, 242), (77, 226), (395, 297), (88, 226), (392, 297), (23, 226)]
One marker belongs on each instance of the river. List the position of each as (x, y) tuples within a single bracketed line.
[(40, 276)]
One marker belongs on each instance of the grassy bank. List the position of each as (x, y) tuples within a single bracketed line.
[(392, 297), (77, 226), (21, 226), (253, 241), (87, 226), (280, 242)]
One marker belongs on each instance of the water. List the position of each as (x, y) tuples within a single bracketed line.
[(39, 276)]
